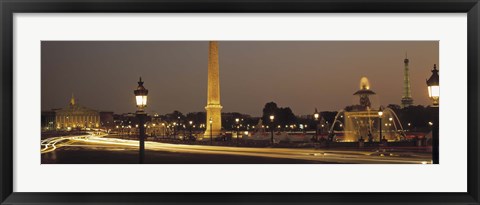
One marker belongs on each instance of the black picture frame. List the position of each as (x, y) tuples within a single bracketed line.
[(9, 7)]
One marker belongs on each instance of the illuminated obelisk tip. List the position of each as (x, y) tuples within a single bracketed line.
[(213, 108)]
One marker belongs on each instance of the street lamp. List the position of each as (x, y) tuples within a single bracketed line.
[(164, 130), (190, 122), (141, 100), (433, 84), (174, 130), (238, 127), (211, 134), (272, 117), (380, 114), (316, 116)]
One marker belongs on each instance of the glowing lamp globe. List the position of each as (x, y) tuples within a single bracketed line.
[(380, 111), (141, 95), (433, 84)]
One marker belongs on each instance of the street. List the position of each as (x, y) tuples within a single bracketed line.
[(119, 151)]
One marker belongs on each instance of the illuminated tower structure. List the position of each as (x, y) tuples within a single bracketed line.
[(213, 108), (407, 99)]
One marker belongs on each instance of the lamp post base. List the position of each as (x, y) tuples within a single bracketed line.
[(141, 128)]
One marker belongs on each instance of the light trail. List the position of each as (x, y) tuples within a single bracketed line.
[(51, 144), (321, 155)]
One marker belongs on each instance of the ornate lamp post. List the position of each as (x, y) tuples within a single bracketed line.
[(141, 100), (272, 117), (380, 114), (433, 84), (211, 133), (316, 116)]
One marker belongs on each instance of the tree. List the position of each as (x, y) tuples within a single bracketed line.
[(197, 118), (283, 115), (286, 116), (418, 116), (269, 109), (328, 116), (175, 116), (394, 107)]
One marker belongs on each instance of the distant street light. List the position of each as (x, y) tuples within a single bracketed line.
[(380, 114), (174, 130), (316, 116), (238, 128), (141, 100), (272, 117), (433, 84), (190, 122), (164, 130), (211, 133)]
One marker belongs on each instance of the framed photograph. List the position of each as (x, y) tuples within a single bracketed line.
[(258, 102)]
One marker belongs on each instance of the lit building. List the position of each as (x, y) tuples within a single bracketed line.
[(76, 117)]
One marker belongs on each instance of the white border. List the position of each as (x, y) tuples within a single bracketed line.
[(449, 176)]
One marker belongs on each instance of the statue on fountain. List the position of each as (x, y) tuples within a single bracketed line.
[(364, 94)]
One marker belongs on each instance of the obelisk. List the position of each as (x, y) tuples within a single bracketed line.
[(213, 108)]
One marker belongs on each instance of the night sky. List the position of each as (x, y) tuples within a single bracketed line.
[(301, 75)]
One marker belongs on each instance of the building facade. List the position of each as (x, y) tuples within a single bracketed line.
[(76, 117)]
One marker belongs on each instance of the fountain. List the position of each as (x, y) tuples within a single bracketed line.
[(362, 122)]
